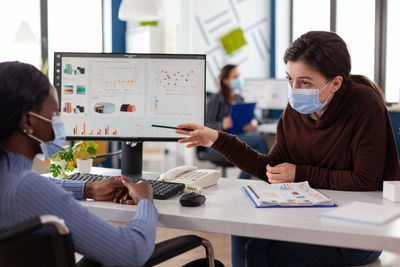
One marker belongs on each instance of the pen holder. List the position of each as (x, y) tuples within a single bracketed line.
[(391, 190)]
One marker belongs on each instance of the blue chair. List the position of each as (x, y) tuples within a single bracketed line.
[(395, 119)]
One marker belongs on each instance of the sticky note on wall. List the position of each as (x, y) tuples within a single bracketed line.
[(233, 41), (149, 23)]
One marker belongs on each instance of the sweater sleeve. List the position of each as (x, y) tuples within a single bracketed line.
[(241, 155), (76, 187), (246, 158), (93, 237), (368, 148)]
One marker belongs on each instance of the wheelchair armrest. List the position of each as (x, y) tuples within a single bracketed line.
[(20, 229), (173, 247), (30, 225)]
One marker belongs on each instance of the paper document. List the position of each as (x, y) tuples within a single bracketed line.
[(286, 195), (367, 213)]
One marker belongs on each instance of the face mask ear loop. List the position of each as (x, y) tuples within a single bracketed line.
[(34, 137), (323, 88), (40, 116)]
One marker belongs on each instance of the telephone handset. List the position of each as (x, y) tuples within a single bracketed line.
[(194, 179)]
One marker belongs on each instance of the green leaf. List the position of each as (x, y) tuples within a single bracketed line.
[(92, 151), (69, 167), (55, 170)]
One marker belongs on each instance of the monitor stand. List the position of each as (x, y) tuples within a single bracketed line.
[(132, 161)]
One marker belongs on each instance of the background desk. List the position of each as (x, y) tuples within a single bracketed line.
[(228, 211), (267, 128)]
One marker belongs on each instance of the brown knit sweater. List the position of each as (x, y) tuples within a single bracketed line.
[(351, 147)]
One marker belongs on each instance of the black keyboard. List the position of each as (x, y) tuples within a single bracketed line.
[(161, 190)]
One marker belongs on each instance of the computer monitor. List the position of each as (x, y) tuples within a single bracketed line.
[(267, 93), (108, 96)]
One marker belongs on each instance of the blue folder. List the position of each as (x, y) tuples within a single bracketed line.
[(241, 114)]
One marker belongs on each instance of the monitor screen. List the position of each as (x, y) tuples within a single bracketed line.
[(120, 96), (267, 93)]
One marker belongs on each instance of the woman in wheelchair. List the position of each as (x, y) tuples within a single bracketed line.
[(31, 126)]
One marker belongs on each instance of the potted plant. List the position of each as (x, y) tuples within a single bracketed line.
[(85, 151), (61, 163)]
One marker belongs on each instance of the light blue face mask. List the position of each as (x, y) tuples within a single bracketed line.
[(237, 83), (306, 101), (51, 147)]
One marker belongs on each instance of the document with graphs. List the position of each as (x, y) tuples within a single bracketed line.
[(264, 195)]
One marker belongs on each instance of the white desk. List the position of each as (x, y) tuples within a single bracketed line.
[(228, 211), (267, 128)]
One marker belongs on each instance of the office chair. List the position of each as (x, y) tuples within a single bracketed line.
[(57, 249), (41, 250)]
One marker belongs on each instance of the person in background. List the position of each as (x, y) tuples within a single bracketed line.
[(31, 126), (219, 108), (335, 133)]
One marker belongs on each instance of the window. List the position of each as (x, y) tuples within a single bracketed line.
[(20, 31), (74, 26), (358, 31), (392, 51), (310, 15)]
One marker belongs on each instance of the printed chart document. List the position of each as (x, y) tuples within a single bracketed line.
[(286, 195), (366, 213), (241, 114)]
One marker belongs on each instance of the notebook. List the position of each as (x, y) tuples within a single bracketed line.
[(241, 114), (286, 195), (366, 213)]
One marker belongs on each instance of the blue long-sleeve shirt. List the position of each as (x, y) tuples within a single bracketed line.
[(25, 194)]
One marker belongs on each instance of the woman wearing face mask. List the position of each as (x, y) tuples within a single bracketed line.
[(335, 133), (219, 109), (28, 113)]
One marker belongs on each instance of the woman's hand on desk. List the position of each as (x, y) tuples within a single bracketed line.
[(200, 136), (136, 192), (105, 190), (281, 173), (119, 190)]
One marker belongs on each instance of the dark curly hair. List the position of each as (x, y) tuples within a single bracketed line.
[(327, 53), (22, 88)]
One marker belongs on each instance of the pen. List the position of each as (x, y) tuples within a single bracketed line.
[(253, 191), (171, 127)]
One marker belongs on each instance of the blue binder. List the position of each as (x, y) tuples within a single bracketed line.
[(241, 114)]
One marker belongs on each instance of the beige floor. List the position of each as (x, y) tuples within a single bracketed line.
[(220, 242)]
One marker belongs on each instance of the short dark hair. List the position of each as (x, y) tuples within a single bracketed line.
[(327, 52), (22, 88)]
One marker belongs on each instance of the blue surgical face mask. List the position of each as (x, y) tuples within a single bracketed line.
[(51, 147), (237, 83), (306, 101)]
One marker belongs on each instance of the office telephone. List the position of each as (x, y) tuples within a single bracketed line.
[(194, 179)]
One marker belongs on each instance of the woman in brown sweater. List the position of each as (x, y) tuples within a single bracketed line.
[(335, 133)]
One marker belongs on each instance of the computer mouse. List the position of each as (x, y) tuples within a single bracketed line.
[(192, 199)]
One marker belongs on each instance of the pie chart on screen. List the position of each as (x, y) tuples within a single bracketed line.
[(104, 107)]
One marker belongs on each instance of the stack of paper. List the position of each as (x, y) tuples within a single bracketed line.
[(366, 213), (286, 195)]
